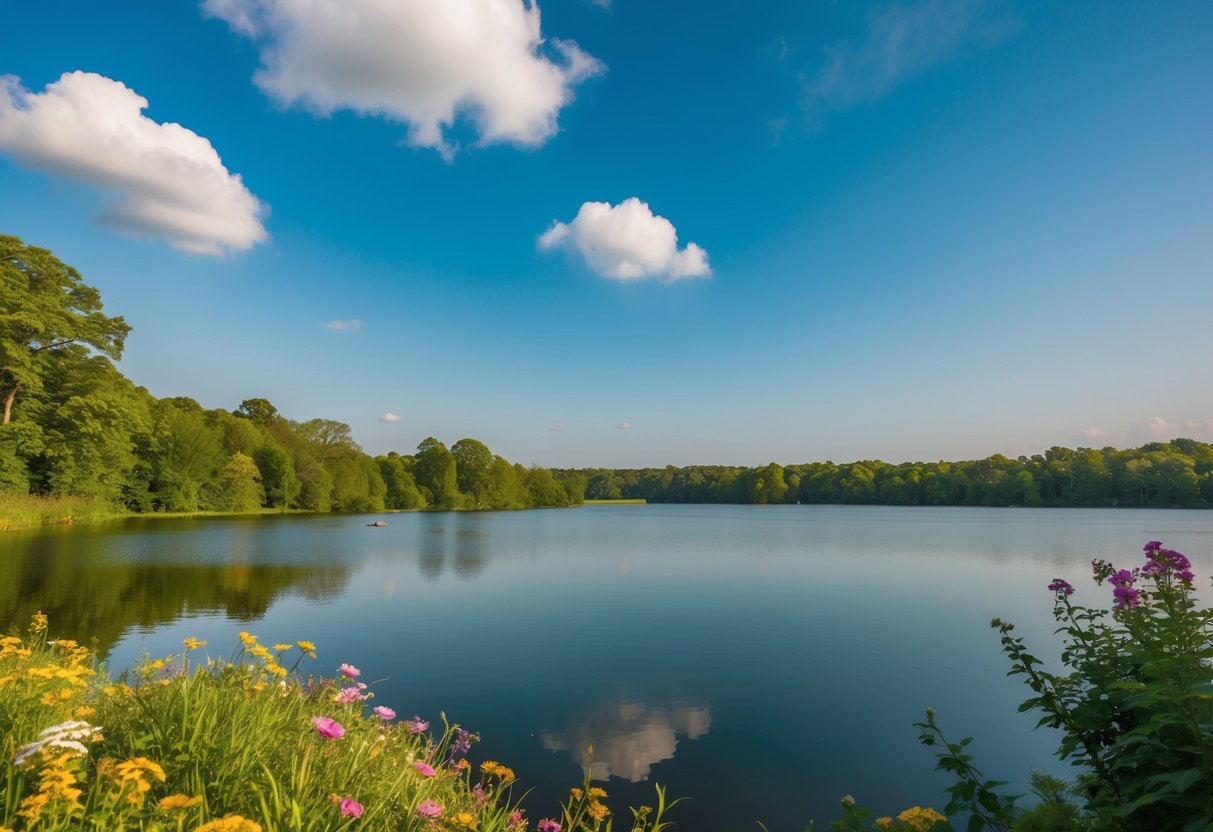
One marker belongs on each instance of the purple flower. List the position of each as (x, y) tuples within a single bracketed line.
[(461, 744), (547, 825), (1122, 577), (425, 768), (1061, 586), (330, 728), (386, 714), (1126, 596), (1151, 547), (1163, 563), (417, 725), (351, 808), (429, 809)]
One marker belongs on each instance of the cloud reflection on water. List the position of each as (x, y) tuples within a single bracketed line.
[(629, 738)]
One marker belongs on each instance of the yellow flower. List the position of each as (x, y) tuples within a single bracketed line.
[(153, 666), (466, 819), (247, 638), (192, 643), (83, 711), (883, 823), (231, 823), (31, 807), (178, 801), (133, 770), (281, 647), (260, 652), (38, 623), (596, 793), (920, 819), (308, 648), (597, 811), (9, 641)]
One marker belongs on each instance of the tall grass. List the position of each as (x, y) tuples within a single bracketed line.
[(27, 511)]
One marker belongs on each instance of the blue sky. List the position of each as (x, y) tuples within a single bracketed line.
[(922, 230)]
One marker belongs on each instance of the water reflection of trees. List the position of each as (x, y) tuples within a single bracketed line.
[(91, 597), (628, 737)]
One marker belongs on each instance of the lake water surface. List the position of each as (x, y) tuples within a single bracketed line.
[(762, 660)]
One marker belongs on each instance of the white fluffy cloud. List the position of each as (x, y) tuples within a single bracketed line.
[(158, 179), (627, 242), (344, 326), (389, 417), (418, 62)]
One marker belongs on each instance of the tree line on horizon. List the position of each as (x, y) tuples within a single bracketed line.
[(73, 425), (1175, 474)]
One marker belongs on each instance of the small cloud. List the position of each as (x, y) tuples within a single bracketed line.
[(627, 242), (1095, 435), (623, 426), (558, 426), (602, 4), (1159, 428), (343, 326), (389, 417), (901, 41), (156, 179), (776, 127)]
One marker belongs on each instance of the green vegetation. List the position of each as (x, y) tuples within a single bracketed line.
[(76, 431), (637, 502), (244, 745), (1171, 474)]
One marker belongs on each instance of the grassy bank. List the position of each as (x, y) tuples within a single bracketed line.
[(250, 744), (27, 511)]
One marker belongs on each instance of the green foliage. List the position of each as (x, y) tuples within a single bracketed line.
[(970, 793), (277, 475), (1136, 707), (45, 307), (240, 485)]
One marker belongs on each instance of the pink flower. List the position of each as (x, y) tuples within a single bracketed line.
[(548, 825), (417, 725), (349, 671), (351, 808), (384, 713), (424, 768), (429, 809), (348, 695), (330, 728)]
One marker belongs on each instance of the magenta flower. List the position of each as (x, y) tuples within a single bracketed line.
[(417, 725), (383, 713), (424, 768), (349, 671), (330, 728), (429, 809), (351, 808), (548, 825), (1061, 586)]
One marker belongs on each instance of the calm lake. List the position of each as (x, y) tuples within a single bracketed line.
[(762, 660)]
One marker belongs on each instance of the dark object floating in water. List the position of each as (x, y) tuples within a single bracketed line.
[(377, 523)]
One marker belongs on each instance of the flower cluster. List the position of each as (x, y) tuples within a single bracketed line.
[(66, 735), (1123, 591), (1162, 564), (1062, 587)]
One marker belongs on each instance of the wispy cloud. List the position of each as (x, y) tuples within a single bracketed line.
[(156, 179), (343, 326), (389, 417), (627, 242), (623, 426), (900, 42), (558, 426)]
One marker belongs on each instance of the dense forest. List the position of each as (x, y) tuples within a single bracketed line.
[(1178, 473), (74, 425)]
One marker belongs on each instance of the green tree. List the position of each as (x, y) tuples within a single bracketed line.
[(277, 475), (435, 474), (474, 471), (45, 306), (240, 485)]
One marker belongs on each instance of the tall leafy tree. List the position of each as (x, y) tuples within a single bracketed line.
[(45, 306)]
